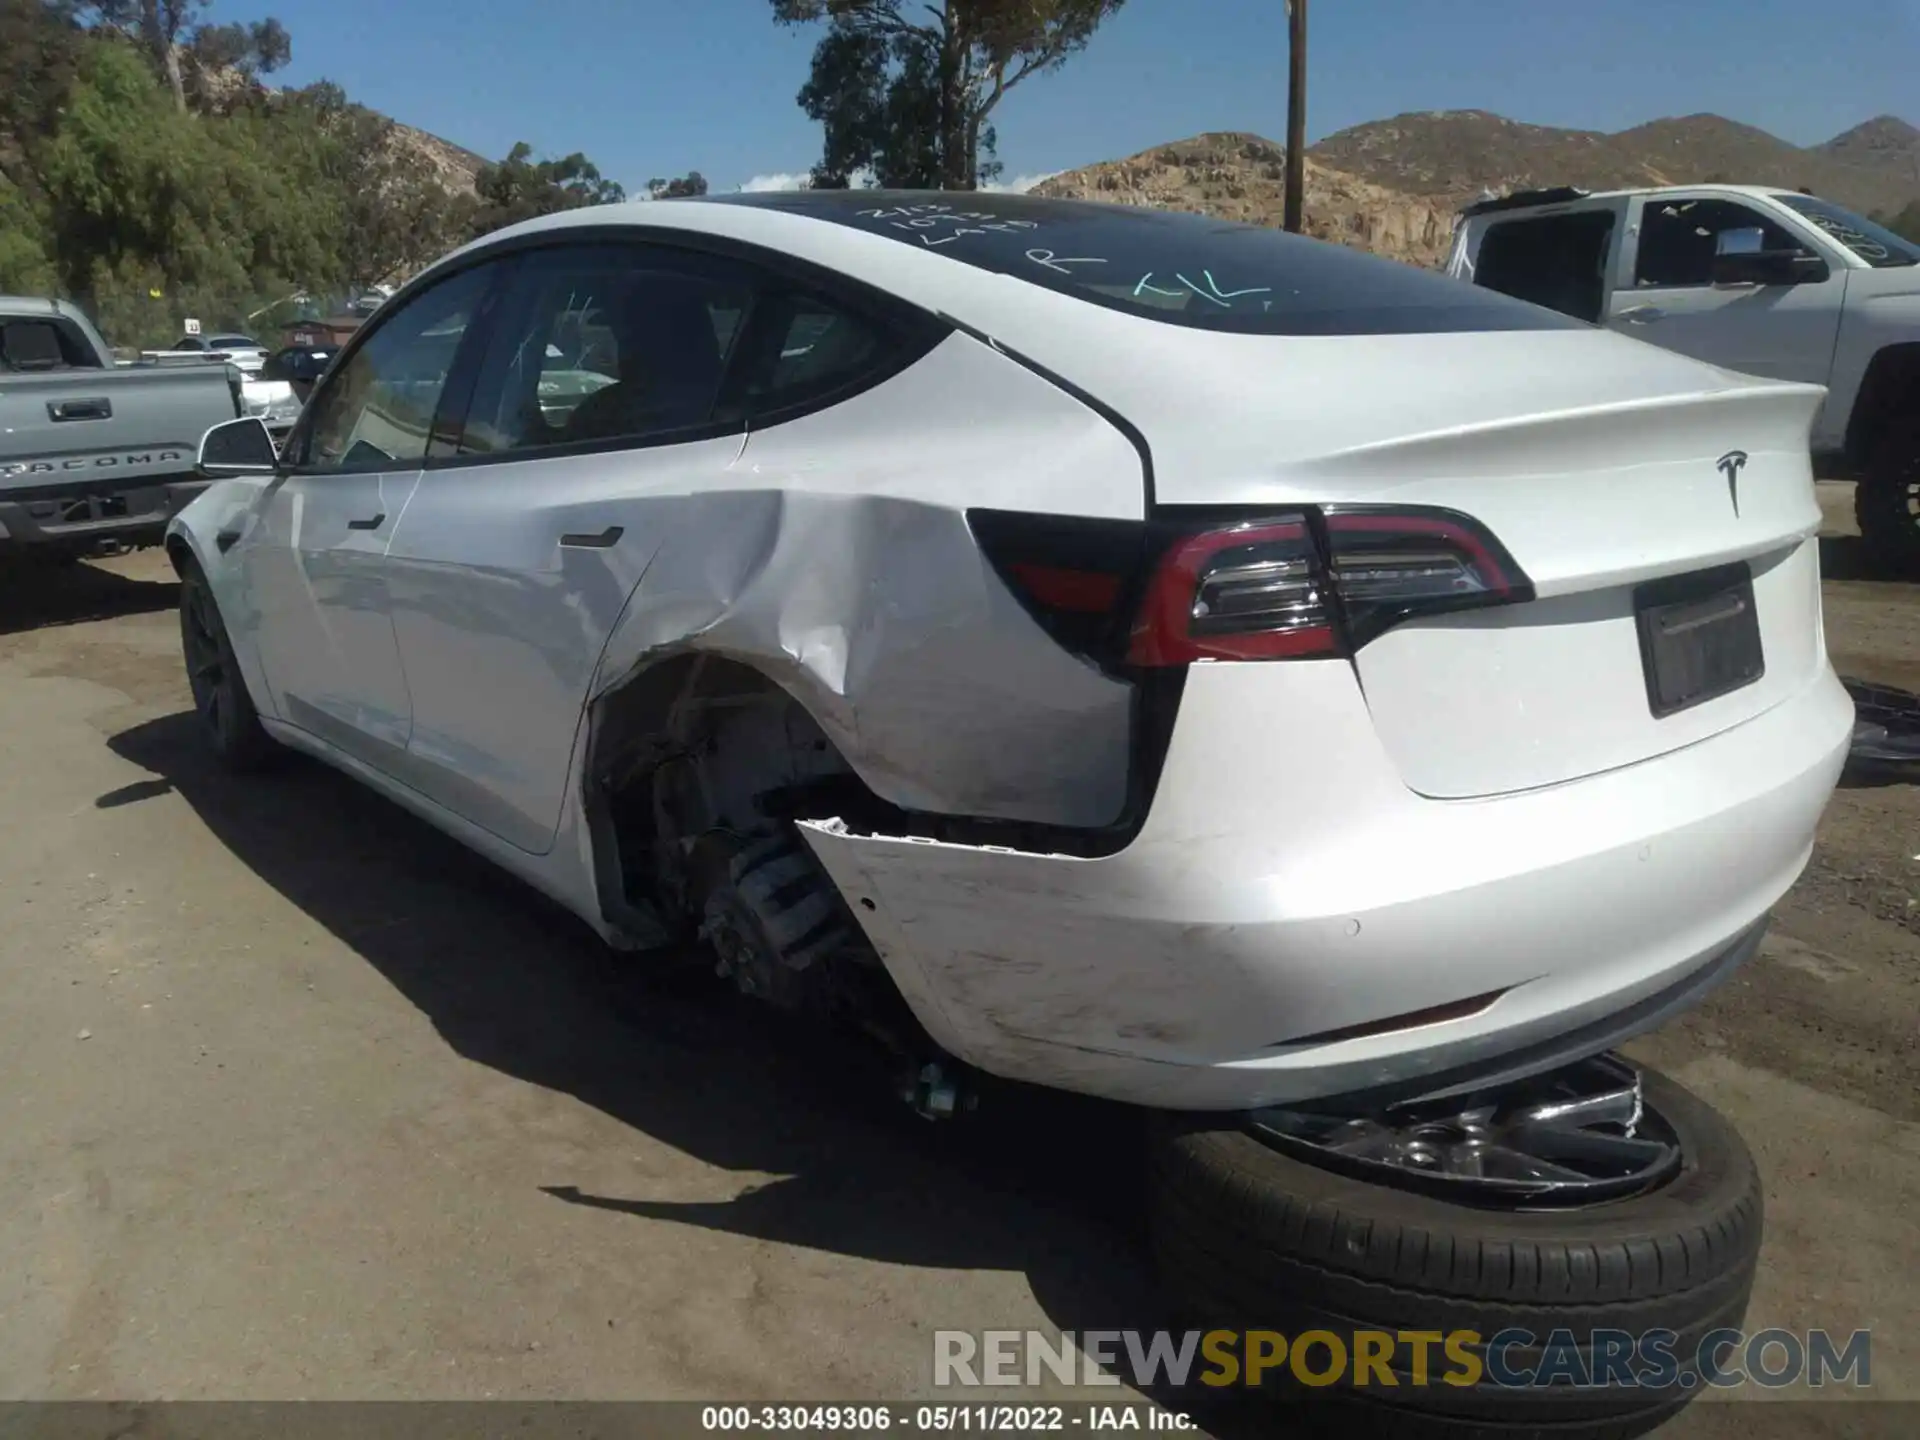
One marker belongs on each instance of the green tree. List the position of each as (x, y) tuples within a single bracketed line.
[(389, 214), (214, 215), (691, 183), (167, 30), (906, 89), (521, 188), (1905, 222)]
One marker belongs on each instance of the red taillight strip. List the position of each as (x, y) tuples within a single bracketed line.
[(1086, 592), (1162, 633)]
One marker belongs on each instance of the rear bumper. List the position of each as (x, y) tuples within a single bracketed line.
[(1289, 897), (87, 514)]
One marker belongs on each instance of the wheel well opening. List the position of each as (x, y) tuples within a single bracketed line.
[(697, 742), (179, 554), (697, 769), (692, 745), (1889, 394)]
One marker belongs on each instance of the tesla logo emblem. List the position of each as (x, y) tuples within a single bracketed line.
[(1730, 465)]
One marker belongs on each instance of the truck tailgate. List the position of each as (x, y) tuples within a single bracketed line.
[(69, 432)]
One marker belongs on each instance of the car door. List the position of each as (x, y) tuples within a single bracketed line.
[(313, 559), (1666, 294), (594, 407)]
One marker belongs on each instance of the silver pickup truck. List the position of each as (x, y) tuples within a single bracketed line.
[(91, 452)]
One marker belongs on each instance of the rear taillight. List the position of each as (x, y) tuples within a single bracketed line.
[(1313, 582), (1255, 591), (1393, 565)]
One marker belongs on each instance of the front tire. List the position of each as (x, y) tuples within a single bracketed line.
[(1249, 1237), (220, 699), (1886, 501)]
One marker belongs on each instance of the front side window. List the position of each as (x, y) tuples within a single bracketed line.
[(1679, 238), (606, 343), (376, 412)]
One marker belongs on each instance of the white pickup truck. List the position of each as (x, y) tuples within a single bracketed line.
[(1760, 280)]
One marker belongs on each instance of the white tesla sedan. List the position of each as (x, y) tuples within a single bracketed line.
[(1119, 651)]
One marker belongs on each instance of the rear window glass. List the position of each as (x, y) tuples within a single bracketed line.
[(1180, 269)]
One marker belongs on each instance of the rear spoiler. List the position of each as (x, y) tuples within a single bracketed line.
[(1522, 199)]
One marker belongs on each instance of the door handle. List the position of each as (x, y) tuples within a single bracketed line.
[(97, 407), (604, 540), (1642, 314), (372, 522)]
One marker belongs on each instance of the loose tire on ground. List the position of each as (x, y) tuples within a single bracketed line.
[(227, 717), (1886, 501), (1249, 1238)]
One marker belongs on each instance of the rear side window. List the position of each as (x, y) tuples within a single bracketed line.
[(43, 345), (1558, 261), (805, 350), (1179, 269), (605, 343)]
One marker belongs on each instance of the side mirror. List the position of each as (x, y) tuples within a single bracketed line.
[(238, 448), (1740, 257)]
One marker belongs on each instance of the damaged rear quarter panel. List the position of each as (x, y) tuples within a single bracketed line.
[(842, 567)]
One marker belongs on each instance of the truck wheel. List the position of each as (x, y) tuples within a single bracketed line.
[(1442, 1222), (220, 697), (1886, 502)]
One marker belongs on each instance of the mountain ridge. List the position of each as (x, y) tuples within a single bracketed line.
[(1394, 186), (1456, 154)]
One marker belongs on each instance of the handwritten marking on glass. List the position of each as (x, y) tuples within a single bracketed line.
[(1061, 262), (1143, 287), (1223, 298), (926, 222)]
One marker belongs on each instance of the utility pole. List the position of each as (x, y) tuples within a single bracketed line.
[(1296, 113)]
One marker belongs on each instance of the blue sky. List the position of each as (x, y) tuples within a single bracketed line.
[(659, 87)]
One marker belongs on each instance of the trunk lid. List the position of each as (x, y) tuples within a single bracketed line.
[(1601, 464)]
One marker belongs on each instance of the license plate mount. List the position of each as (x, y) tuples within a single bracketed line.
[(1699, 637)]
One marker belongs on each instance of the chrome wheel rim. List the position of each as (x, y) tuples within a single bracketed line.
[(1578, 1136)]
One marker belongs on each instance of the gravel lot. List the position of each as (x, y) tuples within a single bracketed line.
[(302, 1101)]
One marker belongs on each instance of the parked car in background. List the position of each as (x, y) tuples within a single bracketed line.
[(91, 452), (1774, 283), (1119, 651), (240, 350), (299, 366)]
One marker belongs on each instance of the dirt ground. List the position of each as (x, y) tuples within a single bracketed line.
[(301, 1101)]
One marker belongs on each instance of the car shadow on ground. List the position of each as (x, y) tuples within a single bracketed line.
[(36, 594), (1847, 557), (1038, 1183), (1886, 737)]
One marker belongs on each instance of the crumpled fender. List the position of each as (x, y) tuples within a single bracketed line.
[(882, 618), (838, 563)]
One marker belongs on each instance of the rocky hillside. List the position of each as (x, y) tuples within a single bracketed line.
[(1887, 143), (1393, 186), (1455, 154), (455, 167), (1242, 177)]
